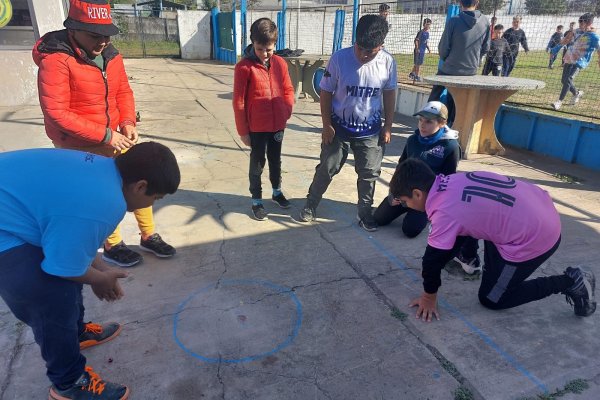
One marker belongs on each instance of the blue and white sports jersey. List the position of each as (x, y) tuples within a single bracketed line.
[(66, 202), (358, 92)]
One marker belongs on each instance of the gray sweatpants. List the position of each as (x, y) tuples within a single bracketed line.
[(368, 153)]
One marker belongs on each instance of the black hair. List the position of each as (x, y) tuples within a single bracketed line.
[(411, 174), (499, 27), (263, 31), (152, 162), (371, 31), (559, 27), (588, 18), (384, 7), (426, 21), (469, 3)]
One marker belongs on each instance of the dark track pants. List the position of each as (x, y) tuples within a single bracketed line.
[(504, 284)]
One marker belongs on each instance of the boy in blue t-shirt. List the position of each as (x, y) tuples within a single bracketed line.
[(55, 199), (578, 57), (357, 89), (421, 44)]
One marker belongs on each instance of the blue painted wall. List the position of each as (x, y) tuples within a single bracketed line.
[(570, 140)]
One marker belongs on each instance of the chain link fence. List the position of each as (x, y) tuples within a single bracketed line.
[(144, 35), (539, 20)]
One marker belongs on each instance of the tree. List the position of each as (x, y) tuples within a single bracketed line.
[(546, 7), (489, 6)]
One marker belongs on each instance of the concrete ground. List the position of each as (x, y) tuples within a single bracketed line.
[(286, 310)]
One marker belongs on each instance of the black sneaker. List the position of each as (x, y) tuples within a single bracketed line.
[(122, 255), (281, 201), (155, 244), (95, 334), (308, 214), (259, 213), (90, 387), (367, 222), (472, 266), (581, 294)]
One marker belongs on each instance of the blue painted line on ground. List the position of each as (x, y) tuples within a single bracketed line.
[(441, 301), (243, 282)]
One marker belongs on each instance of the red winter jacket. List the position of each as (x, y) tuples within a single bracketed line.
[(81, 105), (262, 98)]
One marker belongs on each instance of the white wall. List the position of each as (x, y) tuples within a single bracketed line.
[(194, 34)]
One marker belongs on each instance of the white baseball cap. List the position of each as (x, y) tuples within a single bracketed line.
[(433, 110)]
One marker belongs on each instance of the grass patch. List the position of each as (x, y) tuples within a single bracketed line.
[(576, 386), (533, 65), (134, 49), (398, 314), (567, 178), (462, 393)]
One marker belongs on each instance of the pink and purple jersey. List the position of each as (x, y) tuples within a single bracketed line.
[(518, 217)]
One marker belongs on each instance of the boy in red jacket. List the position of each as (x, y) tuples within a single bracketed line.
[(263, 97), (89, 106)]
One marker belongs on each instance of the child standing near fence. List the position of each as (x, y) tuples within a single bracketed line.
[(577, 58), (495, 56), (263, 97), (555, 40), (421, 44)]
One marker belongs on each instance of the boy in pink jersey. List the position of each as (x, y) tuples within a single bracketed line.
[(516, 220)]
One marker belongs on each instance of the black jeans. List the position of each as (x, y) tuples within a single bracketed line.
[(51, 306), (414, 221), (261, 142), (570, 71), (503, 283)]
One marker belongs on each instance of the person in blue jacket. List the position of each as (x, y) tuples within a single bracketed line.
[(55, 217)]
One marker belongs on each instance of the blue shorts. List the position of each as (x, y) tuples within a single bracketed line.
[(419, 57)]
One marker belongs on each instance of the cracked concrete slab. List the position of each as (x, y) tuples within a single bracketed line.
[(210, 323)]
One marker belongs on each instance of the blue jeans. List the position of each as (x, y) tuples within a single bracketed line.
[(51, 306), (368, 153)]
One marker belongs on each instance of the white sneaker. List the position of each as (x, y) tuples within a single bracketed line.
[(469, 266), (557, 104), (577, 97)]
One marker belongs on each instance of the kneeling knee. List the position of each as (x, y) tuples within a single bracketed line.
[(411, 233), (487, 303)]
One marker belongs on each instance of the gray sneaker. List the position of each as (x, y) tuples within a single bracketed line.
[(581, 294), (367, 222), (577, 97), (308, 214), (259, 213)]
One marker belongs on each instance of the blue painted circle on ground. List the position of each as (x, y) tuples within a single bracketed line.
[(317, 79), (276, 288)]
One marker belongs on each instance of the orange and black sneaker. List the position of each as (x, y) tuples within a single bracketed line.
[(95, 334), (90, 387)]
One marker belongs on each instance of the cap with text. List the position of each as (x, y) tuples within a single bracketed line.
[(91, 16)]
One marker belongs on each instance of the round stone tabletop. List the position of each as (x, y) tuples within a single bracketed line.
[(485, 82)]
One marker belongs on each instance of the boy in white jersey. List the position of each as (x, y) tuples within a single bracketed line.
[(358, 85), (517, 221)]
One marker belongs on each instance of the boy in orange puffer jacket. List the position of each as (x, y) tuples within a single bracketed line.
[(88, 105), (263, 97)]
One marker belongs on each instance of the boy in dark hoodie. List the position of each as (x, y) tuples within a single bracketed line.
[(515, 37), (263, 97), (495, 56), (437, 145), (465, 39)]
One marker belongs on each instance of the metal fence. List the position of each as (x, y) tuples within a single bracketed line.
[(312, 29), (538, 20), (146, 36)]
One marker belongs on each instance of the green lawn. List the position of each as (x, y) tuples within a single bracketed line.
[(134, 49), (533, 65)]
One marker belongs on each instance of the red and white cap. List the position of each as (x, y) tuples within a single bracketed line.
[(91, 16)]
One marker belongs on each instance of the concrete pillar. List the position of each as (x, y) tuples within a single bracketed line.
[(47, 15)]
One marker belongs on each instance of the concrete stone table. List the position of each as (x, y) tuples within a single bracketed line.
[(302, 70), (477, 99)]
